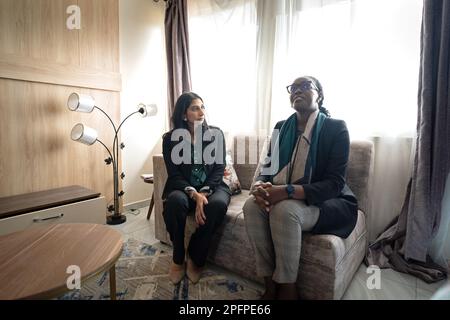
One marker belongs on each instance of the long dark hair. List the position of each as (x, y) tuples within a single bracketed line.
[(321, 96), (179, 113)]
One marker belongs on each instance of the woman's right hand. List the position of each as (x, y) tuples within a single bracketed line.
[(201, 201)]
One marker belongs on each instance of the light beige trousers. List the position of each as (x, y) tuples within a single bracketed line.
[(276, 236)]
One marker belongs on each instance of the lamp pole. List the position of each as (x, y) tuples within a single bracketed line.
[(85, 103), (117, 217)]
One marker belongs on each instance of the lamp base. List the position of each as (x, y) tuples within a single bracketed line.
[(116, 219)]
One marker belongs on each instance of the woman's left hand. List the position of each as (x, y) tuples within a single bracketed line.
[(201, 202)]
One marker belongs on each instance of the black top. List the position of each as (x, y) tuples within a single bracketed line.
[(328, 190), (179, 175)]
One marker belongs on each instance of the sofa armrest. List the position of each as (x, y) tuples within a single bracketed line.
[(360, 171), (159, 178)]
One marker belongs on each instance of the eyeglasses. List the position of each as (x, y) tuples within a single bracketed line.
[(304, 86)]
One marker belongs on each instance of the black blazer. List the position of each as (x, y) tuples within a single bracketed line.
[(328, 190), (178, 175)]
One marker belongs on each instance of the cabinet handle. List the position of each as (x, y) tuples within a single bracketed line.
[(49, 218)]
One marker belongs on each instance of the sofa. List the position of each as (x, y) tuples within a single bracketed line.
[(327, 264)]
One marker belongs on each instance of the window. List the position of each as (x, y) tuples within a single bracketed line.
[(222, 39), (365, 53)]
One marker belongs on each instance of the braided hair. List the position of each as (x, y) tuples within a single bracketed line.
[(321, 96)]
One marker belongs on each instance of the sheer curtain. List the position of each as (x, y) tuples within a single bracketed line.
[(223, 45), (365, 53)]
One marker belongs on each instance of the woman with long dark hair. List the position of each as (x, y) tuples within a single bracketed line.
[(194, 154)]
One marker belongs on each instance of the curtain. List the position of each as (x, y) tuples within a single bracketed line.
[(432, 162), (177, 51), (406, 245), (223, 37), (364, 52), (265, 45)]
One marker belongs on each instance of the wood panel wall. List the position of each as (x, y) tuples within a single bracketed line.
[(41, 63)]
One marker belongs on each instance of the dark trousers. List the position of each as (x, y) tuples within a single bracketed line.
[(177, 207)]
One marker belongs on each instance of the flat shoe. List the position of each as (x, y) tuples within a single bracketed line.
[(193, 272), (176, 275)]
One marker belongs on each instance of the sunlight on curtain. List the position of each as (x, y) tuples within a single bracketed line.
[(366, 55), (223, 49)]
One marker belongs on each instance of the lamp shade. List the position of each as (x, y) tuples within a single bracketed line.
[(147, 110), (80, 102), (84, 134)]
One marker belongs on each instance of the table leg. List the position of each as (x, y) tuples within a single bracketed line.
[(112, 282), (152, 202)]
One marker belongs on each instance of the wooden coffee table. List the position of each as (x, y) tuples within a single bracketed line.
[(34, 262)]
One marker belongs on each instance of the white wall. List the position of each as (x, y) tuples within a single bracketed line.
[(143, 68)]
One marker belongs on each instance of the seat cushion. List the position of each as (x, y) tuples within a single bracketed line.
[(236, 204), (231, 247)]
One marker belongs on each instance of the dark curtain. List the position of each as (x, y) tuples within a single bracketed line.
[(177, 51), (405, 244)]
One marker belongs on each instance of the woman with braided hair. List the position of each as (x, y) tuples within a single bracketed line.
[(300, 187)]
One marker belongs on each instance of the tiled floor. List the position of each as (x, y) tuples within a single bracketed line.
[(138, 227), (393, 285)]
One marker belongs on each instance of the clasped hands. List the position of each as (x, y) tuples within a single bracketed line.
[(267, 195)]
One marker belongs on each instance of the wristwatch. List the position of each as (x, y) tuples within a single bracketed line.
[(290, 191)]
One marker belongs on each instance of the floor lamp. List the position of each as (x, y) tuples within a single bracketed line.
[(83, 134)]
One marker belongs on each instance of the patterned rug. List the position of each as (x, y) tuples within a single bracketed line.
[(142, 274)]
